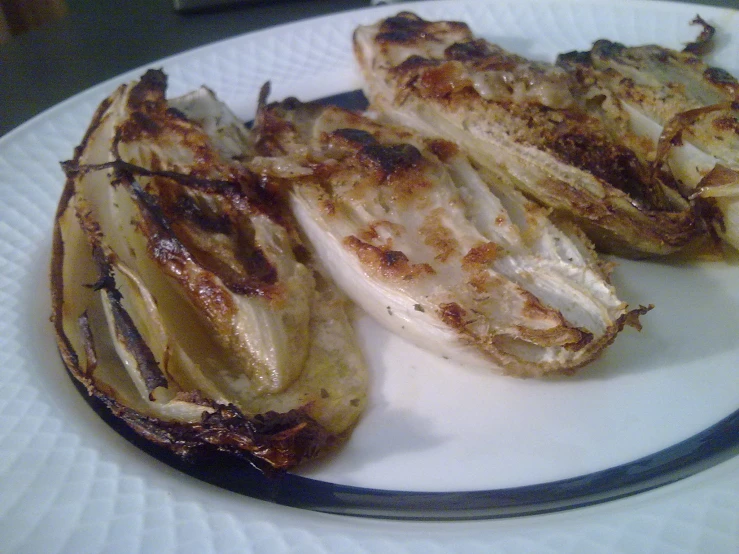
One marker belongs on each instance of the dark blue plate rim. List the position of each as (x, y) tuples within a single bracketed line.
[(706, 449)]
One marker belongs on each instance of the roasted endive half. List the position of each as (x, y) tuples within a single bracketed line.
[(437, 251), (518, 117), (680, 115), (178, 297)]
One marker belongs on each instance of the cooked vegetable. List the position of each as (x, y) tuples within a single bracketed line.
[(450, 257), (680, 114), (517, 117), (177, 296)]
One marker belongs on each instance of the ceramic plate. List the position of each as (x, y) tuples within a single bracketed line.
[(657, 415)]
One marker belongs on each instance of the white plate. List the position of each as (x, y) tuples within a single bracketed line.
[(69, 483)]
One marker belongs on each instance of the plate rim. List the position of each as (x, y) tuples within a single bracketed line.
[(96, 89), (702, 451)]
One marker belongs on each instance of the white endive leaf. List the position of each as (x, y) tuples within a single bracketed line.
[(518, 119), (207, 333), (682, 112), (409, 229)]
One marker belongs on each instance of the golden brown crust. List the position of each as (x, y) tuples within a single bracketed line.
[(416, 238), (393, 265), (271, 440), (519, 109), (480, 256), (438, 237)]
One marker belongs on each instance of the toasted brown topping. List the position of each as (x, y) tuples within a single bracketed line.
[(147, 104), (467, 51), (173, 256), (271, 127), (726, 123), (185, 208), (719, 176), (401, 29), (371, 232), (721, 78), (575, 59), (438, 237), (481, 281), (185, 229), (413, 65), (219, 245), (388, 158), (608, 49), (613, 163), (480, 256), (443, 149), (406, 28), (443, 80), (366, 163), (390, 264), (149, 91), (355, 137), (392, 158), (452, 314), (585, 338), (328, 206)]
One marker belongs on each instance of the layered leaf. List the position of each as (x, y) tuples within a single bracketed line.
[(205, 331), (678, 113), (517, 117), (445, 255)]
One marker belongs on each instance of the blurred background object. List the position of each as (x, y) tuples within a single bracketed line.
[(195, 5), (19, 16), (100, 39), (70, 45)]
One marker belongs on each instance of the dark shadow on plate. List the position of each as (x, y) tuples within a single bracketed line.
[(407, 432), (404, 430)]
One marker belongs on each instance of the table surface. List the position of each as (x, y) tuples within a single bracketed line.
[(100, 39)]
